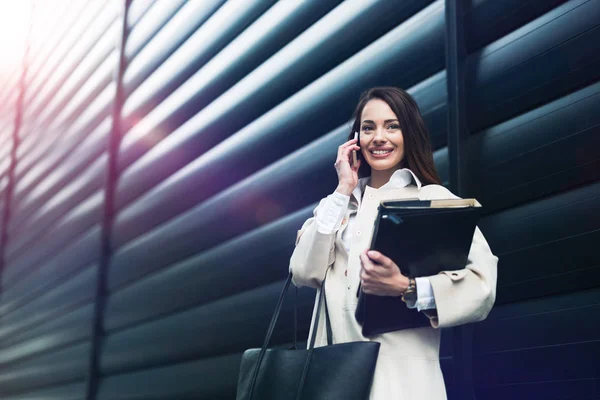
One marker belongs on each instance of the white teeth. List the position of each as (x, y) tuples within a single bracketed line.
[(378, 152)]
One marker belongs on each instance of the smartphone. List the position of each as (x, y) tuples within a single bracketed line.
[(354, 160)]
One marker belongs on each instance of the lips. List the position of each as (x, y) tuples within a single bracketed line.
[(381, 153)]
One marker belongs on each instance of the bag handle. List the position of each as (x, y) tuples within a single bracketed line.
[(311, 347), (263, 350)]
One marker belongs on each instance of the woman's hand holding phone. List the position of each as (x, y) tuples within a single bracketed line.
[(347, 170)]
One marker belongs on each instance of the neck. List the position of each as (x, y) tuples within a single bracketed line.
[(380, 178)]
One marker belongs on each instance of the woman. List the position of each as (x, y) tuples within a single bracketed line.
[(395, 158)]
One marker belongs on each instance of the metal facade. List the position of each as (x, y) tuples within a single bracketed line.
[(157, 158)]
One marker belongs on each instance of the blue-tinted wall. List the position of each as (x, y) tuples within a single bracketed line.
[(180, 181)]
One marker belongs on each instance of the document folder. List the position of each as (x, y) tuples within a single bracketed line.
[(423, 238)]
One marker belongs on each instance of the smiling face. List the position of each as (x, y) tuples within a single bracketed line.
[(381, 139)]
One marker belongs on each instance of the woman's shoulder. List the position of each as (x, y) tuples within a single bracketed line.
[(436, 192)]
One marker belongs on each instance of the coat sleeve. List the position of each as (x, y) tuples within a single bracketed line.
[(314, 252), (465, 295)]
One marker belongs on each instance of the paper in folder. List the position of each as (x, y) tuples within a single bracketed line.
[(423, 238)]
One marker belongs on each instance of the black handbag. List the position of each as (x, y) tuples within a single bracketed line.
[(332, 372)]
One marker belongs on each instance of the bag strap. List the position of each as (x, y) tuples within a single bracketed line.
[(327, 321), (311, 347), (263, 350), (322, 300), (295, 347)]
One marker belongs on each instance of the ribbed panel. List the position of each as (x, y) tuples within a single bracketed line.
[(232, 116)]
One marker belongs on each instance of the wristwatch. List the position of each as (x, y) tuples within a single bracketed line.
[(410, 294)]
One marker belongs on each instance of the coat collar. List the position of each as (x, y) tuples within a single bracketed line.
[(399, 179)]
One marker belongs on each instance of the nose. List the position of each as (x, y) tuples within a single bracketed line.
[(379, 135)]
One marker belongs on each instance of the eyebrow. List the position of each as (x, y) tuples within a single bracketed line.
[(385, 122)]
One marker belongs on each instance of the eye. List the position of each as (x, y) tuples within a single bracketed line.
[(367, 128), (394, 126)]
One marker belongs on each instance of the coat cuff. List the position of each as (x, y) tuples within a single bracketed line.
[(330, 214)]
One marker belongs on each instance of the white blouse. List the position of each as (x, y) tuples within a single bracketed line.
[(331, 213)]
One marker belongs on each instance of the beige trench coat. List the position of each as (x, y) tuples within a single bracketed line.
[(408, 365)]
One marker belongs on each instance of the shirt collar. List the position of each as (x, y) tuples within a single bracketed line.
[(399, 179), (402, 178)]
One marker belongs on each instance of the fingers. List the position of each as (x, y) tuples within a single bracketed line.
[(367, 269), (378, 274), (366, 262), (343, 156), (380, 258), (375, 264), (349, 144), (347, 147)]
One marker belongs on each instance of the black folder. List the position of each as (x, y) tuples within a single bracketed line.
[(423, 238)]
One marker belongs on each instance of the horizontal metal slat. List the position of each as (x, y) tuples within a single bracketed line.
[(266, 35), (78, 219), (43, 273), (79, 22), (543, 322), (95, 32), (193, 278), (81, 159), (79, 319), (553, 218), (486, 21), (75, 83), (527, 272), (343, 30), (571, 389), (144, 20), (277, 187), (67, 366), (547, 150), (54, 302), (561, 56), (520, 72), (187, 336), (541, 364), (219, 381), (172, 35), (91, 99), (66, 144), (137, 9), (49, 41), (87, 184), (75, 391), (546, 226), (42, 345), (263, 135)]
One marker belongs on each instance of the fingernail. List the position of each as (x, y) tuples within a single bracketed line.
[(371, 253)]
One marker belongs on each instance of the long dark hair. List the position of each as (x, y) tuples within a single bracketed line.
[(418, 155)]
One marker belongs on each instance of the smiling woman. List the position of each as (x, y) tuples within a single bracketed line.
[(389, 119), (381, 140), (395, 162)]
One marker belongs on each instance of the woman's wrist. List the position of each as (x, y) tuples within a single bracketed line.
[(402, 285), (344, 189)]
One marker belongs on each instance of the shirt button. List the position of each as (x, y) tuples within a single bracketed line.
[(346, 273), (358, 232), (348, 287), (370, 196)]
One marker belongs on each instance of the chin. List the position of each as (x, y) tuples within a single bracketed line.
[(381, 165)]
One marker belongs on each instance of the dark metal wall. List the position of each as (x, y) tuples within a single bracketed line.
[(148, 279)]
